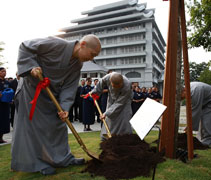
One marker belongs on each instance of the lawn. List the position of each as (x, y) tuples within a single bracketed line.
[(197, 169)]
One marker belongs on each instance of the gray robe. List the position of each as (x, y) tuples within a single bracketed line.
[(118, 111), (43, 142), (201, 110)]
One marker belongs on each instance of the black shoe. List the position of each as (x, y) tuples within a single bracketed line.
[(89, 129), (77, 161), (48, 171), (85, 129)]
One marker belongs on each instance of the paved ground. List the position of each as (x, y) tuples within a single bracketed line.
[(78, 127), (96, 127)]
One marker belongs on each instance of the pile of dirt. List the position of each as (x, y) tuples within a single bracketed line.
[(124, 157), (182, 142)]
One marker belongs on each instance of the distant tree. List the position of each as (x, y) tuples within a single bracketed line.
[(1, 56), (200, 21), (205, 76), (196, 69)]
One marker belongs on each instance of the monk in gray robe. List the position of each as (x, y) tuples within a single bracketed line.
[(42, 143), (201, 110), (118, 111)]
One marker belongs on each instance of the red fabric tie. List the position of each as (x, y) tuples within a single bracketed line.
[(95, 97), (41, 85)]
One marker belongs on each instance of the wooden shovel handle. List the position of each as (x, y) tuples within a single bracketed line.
[(52, 97), (104, 122)]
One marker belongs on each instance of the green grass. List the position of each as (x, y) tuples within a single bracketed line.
[(197, 169)]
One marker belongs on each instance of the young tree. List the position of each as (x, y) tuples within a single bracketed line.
[(200, 20)]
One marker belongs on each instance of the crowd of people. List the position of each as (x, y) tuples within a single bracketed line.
[(140, 94)]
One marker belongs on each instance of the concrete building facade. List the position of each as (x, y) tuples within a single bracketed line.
[(131, 40)]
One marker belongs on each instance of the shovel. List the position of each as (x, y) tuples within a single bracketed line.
[(52, 97), (104, 122)]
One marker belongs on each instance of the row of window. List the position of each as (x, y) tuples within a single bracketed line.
[(123, 50), (116, 62), (122, 39), (109, 30), (92, 75)]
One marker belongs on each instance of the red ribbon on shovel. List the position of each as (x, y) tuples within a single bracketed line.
[(41, 85), (95, 97)]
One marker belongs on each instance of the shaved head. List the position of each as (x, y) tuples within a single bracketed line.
[(116, 80), (92, 41)]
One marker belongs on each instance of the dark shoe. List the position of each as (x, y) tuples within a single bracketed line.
[(89, 129), (48, 171), (85, 129), (77, 161)]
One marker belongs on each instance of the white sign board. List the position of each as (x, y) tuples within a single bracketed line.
[(146, 116)]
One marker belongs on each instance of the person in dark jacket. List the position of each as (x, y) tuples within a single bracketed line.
[(4, 107), (88, 106)]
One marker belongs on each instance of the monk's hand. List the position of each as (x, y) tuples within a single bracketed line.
[(63, 115), (35, 71), (102, 117)]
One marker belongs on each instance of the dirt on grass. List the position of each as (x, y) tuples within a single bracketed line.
[(182, 142), (124, 157)]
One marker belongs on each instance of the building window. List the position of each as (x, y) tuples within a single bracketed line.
[(115, 61), (92, 75), (109, 51), (131, 61), (84, 75), (109, 62), (133, 75), (144, 59)]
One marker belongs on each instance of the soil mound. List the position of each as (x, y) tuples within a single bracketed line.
[(182, 142), (123, 157)]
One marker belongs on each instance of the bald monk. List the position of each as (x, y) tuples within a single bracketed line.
[(118, 111), (41, 145), (201, 110)]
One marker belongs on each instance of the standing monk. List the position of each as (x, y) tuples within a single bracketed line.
[(118, 111), (42, 144)]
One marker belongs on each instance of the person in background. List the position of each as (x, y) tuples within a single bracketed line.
[(149, 93), (201, 110), (81, 100), (88, 106), (14, 84), (156, 95), (138, 99), (98, 101), (75, 107), (41, 144), (4, 107), (118, 112)]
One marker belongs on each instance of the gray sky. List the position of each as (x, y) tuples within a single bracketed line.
[(26, 19)]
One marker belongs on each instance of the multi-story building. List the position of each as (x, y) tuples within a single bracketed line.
[(131, 40)]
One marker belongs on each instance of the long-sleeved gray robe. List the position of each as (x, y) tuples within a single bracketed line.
[(43, 142), (118, 111), (201, 110)]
